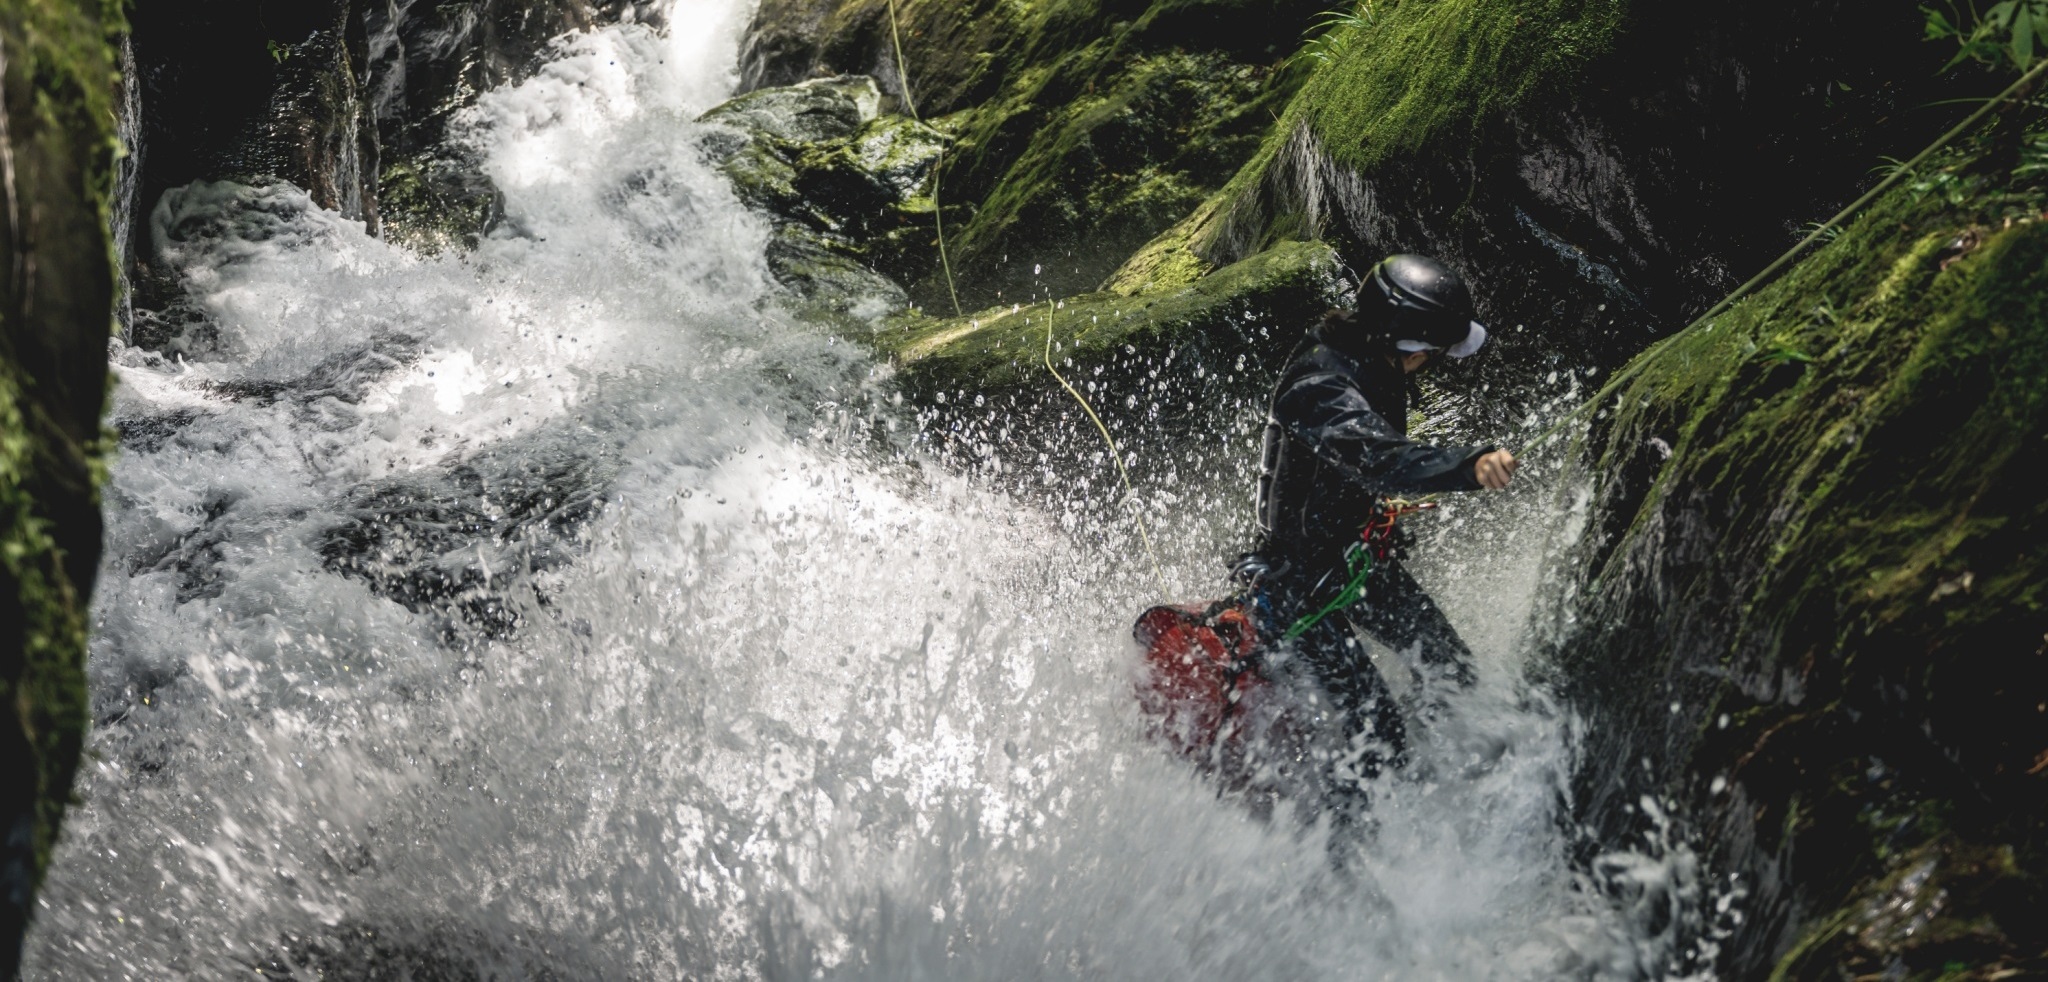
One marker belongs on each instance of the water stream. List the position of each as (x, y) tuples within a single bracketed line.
[(565, 610)]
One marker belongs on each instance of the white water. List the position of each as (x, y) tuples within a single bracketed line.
[(781, 710)]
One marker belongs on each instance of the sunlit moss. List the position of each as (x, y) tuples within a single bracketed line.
[(1084, 128), (1421, 72), (1002, 349)]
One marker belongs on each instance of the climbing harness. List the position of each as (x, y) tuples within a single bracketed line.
[(1375, 544), (1201, 661)]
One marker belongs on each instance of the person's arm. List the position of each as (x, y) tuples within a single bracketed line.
[(1332, 417)]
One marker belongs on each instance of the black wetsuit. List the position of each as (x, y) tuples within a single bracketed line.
[(1336, 446)]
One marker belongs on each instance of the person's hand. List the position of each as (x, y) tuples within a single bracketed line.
[(1495, 470)]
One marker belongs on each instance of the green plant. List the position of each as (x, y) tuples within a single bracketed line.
[(1330, 35), (2033, 157), (1892, 167), (1944, 183), (1824, 231), (2012, 34)]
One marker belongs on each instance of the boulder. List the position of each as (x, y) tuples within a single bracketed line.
[(848, 189), (1157, 368)]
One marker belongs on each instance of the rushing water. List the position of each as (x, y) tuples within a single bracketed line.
[(563, 611)]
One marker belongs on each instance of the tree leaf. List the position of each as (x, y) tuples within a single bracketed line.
[(1939, 27)]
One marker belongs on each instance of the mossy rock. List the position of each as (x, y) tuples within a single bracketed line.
[(1251, 308), (848, 190), (438, 202), (56, 313), (1084, 128), (1811, 586), (808, 112)]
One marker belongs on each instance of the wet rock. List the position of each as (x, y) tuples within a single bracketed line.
[(439, 200), (246, 89), (1000, 350), (424, 949), (429, 61), (344, 377), (847, 188), (1157, 367), (808, 112), (1815, 618), (462, 542), (1602, 172), (1083, 130), (351, 100), (194, 557), (150, 434), (56, 306)]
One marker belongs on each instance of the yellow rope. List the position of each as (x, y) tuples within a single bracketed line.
[(1833, 224), (1144, 533), (938, 164), (1905, 169), (1115, 452)]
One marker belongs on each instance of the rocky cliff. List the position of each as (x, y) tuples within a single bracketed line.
[(56, 309), (1811, 600), (1580, 161)]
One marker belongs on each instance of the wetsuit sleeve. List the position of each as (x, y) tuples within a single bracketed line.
[(1328, 414)]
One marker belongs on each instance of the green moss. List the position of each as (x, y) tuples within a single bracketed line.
[(1095, 156), (1419, 77), (1423, 71), (59, 107), (1085, 128), (1170, 260), (1891, 265), (48, 697), (1847, 554), (1003, 349), (431, 205)]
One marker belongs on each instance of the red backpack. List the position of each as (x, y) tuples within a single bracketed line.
[(1200, 663)]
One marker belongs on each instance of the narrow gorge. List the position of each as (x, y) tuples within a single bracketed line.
[(579, 489)]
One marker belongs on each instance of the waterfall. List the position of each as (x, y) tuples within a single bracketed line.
[(569, 610)]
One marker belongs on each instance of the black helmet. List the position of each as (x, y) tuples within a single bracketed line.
[(1425, 306)]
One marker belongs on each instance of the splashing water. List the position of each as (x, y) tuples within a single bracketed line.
[(555, 612)]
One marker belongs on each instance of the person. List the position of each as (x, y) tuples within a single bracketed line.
[(1336, 452)]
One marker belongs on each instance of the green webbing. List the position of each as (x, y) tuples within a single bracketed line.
[(1362, 566)]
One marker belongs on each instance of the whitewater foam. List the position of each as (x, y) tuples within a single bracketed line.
[(555, 611)]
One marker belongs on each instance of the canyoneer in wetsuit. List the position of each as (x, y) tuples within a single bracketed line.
[(1336, 453)]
